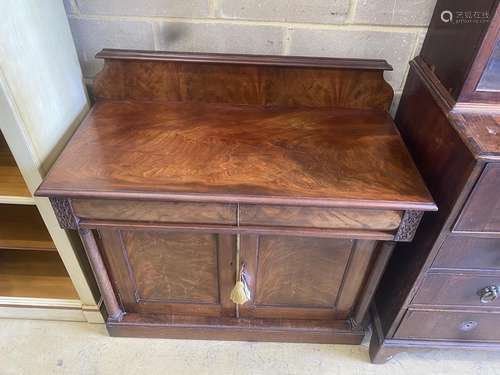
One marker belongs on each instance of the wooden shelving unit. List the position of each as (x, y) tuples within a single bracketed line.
[(22, 228), (43, 272), (13, 189), (34, 274), (31, 270)]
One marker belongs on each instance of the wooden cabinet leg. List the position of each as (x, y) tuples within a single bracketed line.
[(383, 255), (97, 264), (380, 353)]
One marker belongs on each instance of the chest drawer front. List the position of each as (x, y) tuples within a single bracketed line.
[(457, 290), (319, 217), (462, 252), (173, 212), (482, 211), (449, 325)]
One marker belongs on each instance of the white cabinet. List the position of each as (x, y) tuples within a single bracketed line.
[(42, 100)]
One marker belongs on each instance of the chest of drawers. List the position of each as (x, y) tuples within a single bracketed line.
[(192, 172), (448, 278)]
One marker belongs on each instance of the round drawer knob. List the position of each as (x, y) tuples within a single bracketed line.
[(488, 294), (468, 325)]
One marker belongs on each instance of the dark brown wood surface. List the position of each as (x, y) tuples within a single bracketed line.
[(446, 165), (458, 290), (94, 254), (302, 278), (482, 212), (172, 273), (481, 131), (318, 217), (469, 253), (243, 79), (216, 328), (450, 170), (472, 95), (227, 153), (170, 212), (240, 59), (251, 229), (440, 50), (190, 165), (448, 325), (429, 296)]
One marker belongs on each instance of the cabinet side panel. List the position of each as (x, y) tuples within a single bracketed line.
[(446, 166)]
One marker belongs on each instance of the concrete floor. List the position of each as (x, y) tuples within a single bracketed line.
[(42, 347)]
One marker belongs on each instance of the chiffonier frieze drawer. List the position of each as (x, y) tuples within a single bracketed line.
[(472, 253), (319, 217), (459, 290), (227, 214), (153, 211), (482, 211), (449, 325)]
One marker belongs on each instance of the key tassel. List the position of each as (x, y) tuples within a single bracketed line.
[(241, 293)]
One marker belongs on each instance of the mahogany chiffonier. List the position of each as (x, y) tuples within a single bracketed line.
[(281, 176), (448, 279)]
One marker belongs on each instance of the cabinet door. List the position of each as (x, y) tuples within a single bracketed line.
[(303, 277), (161, 272)]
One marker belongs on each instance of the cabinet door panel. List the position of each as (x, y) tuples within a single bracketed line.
[(172, 272), (302, 277)]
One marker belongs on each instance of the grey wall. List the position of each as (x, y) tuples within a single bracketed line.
[(389, 29)]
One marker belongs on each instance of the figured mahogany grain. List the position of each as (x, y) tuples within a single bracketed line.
[(318, 217), (303, 278), (297, 271), (178, 145), (179, 267), (243, 84), (172, 273), (173, 212), (238, 153)]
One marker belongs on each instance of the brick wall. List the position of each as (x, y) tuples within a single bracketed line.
[(389, 29)]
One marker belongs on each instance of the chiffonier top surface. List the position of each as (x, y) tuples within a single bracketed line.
[(238, 153)]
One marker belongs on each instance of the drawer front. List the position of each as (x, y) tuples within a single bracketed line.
[(457, 290), (462, 252), (482, 211), (319, 217), (449, 325), (173, 212)]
